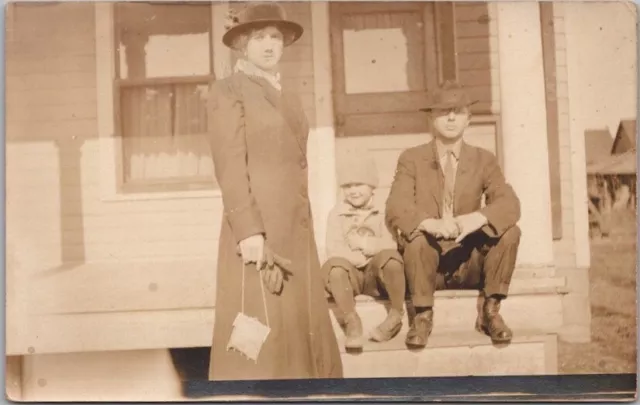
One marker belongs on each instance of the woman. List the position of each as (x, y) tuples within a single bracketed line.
[(259, 140)]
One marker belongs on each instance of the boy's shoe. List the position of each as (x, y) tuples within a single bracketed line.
[(353, 332), (389, 327)]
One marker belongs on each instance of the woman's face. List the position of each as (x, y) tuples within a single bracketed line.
[(264, 47)]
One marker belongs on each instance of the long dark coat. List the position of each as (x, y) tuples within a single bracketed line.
[(258, 138)]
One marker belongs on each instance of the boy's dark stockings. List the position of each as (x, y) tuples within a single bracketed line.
[(394, 283), (341, 290)]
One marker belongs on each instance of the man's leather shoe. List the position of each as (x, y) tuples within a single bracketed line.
[(353, 332), (491, 323), (420, 330)]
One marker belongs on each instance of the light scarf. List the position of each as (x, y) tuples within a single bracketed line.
[(248, 68)]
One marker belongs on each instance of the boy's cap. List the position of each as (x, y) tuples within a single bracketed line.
[(358, 168)]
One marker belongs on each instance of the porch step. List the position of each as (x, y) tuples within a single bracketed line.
[(534, 303), (455, 354)]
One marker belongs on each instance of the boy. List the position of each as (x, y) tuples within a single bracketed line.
[(362, 254)]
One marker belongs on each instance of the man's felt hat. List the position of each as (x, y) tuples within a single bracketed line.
[(260, 15), (449, 95)]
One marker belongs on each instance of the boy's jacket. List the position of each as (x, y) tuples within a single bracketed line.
[(368, 221)]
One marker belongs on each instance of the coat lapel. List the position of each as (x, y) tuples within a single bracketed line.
[(283, 104), (464, 174), (435, 175)]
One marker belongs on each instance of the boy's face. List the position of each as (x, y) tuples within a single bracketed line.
[(451, 123), (357, 194)]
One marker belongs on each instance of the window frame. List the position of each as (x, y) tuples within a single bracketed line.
[(379, 113), (112, 185)]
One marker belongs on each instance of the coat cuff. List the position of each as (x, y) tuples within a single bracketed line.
[(494, 227), (245, 221), (410, 223)]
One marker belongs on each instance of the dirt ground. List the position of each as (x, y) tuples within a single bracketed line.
[(613, 305)]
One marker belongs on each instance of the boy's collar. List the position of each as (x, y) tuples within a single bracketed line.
[(347, 209)]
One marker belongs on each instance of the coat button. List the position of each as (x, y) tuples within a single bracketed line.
[(303, 192), (303, 164), (304, 222)]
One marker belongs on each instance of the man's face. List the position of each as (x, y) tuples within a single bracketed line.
[(451, 123), (357, 194)]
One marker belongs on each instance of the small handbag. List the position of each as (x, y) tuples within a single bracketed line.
[(249, 334)]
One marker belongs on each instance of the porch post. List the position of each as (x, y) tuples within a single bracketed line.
[(524, 123), (322, 148)]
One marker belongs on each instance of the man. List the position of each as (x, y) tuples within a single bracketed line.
[(447, 238)]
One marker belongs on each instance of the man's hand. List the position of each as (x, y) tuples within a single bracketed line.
[(431, 226), (440, 228), (252, 250), (469, 223), (449, 228)]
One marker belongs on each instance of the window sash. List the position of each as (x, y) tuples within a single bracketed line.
[(157, 183), (179, 143)]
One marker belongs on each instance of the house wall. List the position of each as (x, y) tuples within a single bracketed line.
[(477, 70), (61, 230), (477, 52), (53, 149)]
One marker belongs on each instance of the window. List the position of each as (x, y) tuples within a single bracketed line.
[(387, 56), (163, 66)]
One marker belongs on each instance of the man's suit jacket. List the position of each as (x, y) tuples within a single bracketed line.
[(417, 190)]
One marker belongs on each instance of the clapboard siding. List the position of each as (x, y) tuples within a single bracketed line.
[(62, 112), (49, 132), (150, 286), (55, 206), (477, 52), (297, 61), (50, 93)]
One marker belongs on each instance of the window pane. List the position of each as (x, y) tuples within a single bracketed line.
[(164, 132), (383, 52), (160, 40)]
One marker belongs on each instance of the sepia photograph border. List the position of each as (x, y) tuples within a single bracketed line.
[(192, 363)]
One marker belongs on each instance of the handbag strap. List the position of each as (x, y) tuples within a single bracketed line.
[(264, 297)]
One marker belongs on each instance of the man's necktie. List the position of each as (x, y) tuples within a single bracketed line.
[(449, 183)]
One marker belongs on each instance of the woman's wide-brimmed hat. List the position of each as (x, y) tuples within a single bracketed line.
[(449, 95), (260, 15)]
